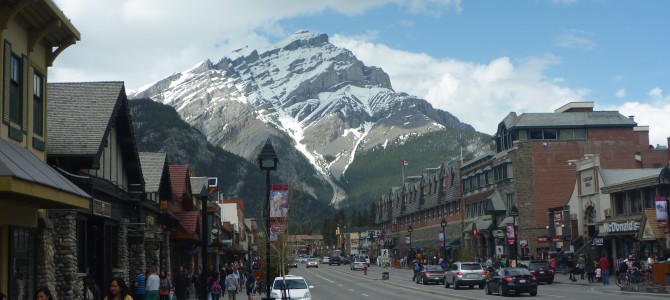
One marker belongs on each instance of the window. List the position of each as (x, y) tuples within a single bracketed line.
[(573, 134), (648, 198), (619, 203), (636, 201), (509, 200), (15, 83), (542, 134), (38, 104)]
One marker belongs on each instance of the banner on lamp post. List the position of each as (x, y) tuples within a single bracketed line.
[(279, 202), (440, 236), (661, 211), (509, 229)]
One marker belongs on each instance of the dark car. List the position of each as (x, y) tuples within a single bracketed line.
[(335, 260), (345, 260), (511, 280), (540, 269), (430, 273)]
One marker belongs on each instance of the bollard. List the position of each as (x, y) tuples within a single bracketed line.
[(365, 270), (385, 276)]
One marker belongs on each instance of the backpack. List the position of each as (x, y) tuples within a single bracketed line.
[(216, 287)]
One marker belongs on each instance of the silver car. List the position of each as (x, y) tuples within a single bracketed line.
[(465, 273)]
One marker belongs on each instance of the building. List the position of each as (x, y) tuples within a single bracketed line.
[(33, 34)]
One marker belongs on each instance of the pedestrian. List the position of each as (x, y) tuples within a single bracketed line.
[(165, 286), (552, 263), (249, 285), (231, 284), (215, 289), (571, 268), (118, 290), (153, 283), (140, 285), (580, 265), (417, 267), (181, 284), (605, 269), (599, 274), (43, 293)]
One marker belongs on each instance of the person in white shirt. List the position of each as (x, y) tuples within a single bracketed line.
[(153, 283)]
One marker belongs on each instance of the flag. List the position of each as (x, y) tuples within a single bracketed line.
[(405, 163)]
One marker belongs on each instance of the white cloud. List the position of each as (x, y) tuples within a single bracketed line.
[(494, 89), (620, 93), (576, 39)]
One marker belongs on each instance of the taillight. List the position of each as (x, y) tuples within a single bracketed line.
[(532, 272), (425, 273), (551, 271), (534, 279), (459, 273), (508, 279), (486, 274)]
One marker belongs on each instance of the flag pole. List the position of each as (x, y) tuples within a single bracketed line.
[(402, 170)]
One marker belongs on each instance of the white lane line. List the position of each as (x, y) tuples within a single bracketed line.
[(351, 290), (550, 295), (324, 278), (365, 295)]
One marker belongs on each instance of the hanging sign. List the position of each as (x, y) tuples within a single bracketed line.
[(509, 229)]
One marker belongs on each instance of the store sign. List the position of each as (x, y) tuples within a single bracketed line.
[(613, 227), (597, 241), (557, 238), (542, 239)]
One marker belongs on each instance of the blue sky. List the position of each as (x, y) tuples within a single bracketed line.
[(478, 60)]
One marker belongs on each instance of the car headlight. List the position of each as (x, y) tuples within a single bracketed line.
[(274, 295)]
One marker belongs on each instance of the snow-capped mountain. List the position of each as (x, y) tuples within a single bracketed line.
[(326, 100)]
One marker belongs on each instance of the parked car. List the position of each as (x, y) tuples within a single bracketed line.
[(540, 269), (325, 260), (465, 273), (511, 280), (312, 262), (345, 260), (295, 287), (430, 273), (358, 263)]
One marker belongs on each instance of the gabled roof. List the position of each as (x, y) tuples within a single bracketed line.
[(81, 116), (197, 184), (179, 177), (188, 220), (153, 164)]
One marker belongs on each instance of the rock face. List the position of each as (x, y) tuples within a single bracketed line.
[(326, 100)]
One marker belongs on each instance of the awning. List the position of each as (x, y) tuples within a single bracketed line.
[(27, 179), (482, 225), (505, 221)]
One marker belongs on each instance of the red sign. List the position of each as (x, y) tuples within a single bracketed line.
[(542, 239), (557, 238)]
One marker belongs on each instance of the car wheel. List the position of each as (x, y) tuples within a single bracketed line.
[(455, 284), (481, 286), (423, 281), (501, 292), (446, 283), (533, 293), (488, 289)]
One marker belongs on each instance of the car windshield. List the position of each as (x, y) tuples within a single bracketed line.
[(470, 267), (432, 268), (515, 272), (360, 259), (291, 284), (311, 259)]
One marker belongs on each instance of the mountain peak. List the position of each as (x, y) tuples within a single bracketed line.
[(303, 38)]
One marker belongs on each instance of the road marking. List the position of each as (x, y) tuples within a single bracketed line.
[(550, 295), (324, 278), (351, 290), (365, 295)]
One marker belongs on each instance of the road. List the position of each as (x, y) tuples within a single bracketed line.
[(339, 282)]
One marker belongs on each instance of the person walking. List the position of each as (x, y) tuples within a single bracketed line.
[(580, 266), (181, 284), (43, 293), (604, 265), (153, 283), (140, 285), (164, 287), (249, 285), (571, 268), (216, 288), (117, 290), (231, 284)]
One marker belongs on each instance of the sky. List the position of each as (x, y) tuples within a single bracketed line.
[(478, 60)]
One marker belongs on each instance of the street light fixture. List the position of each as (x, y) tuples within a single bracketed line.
[(514, 212), (443, 224), (409, 230), (268, 161), (204, 197)]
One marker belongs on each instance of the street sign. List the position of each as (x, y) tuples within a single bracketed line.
[(385, 253), (500, 250)]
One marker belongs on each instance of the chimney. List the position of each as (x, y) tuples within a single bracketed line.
[(632, 118)]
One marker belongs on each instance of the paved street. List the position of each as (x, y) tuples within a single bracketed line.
[(339, 282)]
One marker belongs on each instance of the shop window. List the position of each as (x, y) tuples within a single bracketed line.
[(619, 204), (648, 196), (636, 201), (22, 258)]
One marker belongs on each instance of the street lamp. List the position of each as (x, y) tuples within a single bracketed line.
[(409, 230), (514, 212), (268, 161), (443, 224), (204, 197)]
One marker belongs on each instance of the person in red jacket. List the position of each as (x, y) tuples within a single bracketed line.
[(605, 269)]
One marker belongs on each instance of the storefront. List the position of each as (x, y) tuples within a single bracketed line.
[(621, 236)]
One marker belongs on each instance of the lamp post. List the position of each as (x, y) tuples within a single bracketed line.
[(268, 161), (360, 243), (443, 224), (514, 212), (204, 197), (409, 230)]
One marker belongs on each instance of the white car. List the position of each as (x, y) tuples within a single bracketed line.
[(312, 262), (358, 263), (293, 287), (325, 260)]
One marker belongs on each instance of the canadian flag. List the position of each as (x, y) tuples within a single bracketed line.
[(405, 163)]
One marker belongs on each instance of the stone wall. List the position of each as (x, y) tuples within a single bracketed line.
[(46, 265), (165, 254), (124, 266), (67, 284)]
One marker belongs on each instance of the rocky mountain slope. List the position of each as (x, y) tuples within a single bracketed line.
[(321, 104)]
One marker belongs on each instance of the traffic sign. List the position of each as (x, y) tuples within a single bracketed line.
[(385, 253)]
